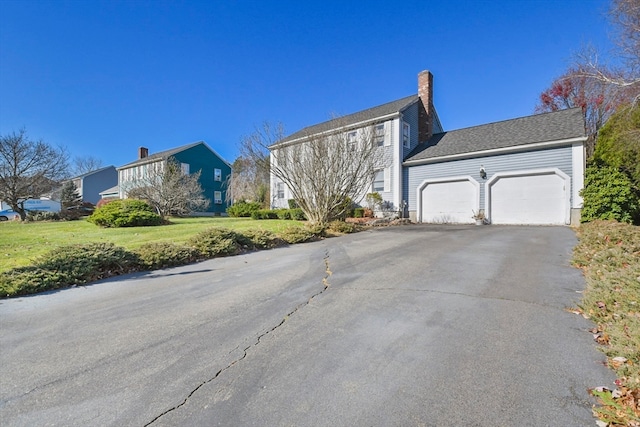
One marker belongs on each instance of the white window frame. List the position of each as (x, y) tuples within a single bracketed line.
[(217, 174), (184, 167), (406, 135), (352, 139), (378, 178), (379, 135), (280, 190), (217, 197)]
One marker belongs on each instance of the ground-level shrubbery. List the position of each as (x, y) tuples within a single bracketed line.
[(243, 209), (293, 214), (83, 263), (609, 255), (125, 213)]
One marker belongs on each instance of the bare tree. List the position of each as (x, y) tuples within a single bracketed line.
[(625, 17), (86, 164), (167, 189), (598, 100), (28, 169), (249, 181), (321, 170)]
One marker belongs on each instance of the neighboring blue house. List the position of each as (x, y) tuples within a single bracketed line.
[(528, 170), (195, 157), (90, 184)]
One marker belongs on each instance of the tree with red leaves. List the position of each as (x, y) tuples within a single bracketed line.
[(597, 99), (597, 88)]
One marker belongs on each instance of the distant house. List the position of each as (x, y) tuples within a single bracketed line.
[(193, 158), (528, 170), (90, 184)]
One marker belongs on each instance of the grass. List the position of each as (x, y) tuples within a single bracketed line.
[(22, 242), (609, 255)]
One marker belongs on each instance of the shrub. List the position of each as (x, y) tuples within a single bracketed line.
[(264, 214), (90, 261), (608, 194), (293, 235), (68, 265), (125, 213), (219, 241), (262, 239), (374, 200), (157, 255), (29, 280), (42, 216), (283, 213), (298, 215), (243, 209), (293, 204), (358, 213), (343, 227)]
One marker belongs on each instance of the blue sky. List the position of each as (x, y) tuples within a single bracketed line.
[(105, 77)]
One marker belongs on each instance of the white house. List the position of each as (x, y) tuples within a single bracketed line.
[(527, 170)]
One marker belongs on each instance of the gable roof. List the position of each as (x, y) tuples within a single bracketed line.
[(92, 172), (547, 127), (351, 119), (163, 155)]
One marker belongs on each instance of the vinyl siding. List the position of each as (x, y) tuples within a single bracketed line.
[(413, 176), (410, 116), (200, 158)]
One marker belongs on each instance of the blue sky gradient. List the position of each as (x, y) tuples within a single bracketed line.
[(105, 77)]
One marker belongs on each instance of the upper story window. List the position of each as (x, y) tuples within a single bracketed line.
[(217, 174), (352, 140), (280, 190), (406, 141), (185, 168), (378, 135)]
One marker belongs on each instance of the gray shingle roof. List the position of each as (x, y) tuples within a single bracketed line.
[(360, 116), (544, 127), (161, 155)]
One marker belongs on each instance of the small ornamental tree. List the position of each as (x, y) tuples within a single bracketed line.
[(69, 195)]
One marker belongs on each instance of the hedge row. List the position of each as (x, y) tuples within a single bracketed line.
[(293, 214), (80, 264)]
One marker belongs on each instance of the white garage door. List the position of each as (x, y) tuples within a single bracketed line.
[(529, 198), (449, 201)]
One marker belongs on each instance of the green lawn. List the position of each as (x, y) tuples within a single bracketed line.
[(22, 242)]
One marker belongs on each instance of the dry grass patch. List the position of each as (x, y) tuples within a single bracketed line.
[(609, 255)]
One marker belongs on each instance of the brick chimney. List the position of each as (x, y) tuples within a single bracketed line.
[(143, 152), (425, 114)]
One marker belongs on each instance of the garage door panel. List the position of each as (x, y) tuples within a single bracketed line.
[(529, 199), (449, 202)]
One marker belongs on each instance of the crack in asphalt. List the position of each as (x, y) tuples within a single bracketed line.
[(325, 286)]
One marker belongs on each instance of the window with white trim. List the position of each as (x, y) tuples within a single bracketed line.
[(352, 140), (185, 168), (378, 181), (378, 135), (217, 174), (217, 197), (280, 190), (406, 141)]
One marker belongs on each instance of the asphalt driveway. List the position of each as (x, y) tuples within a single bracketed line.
[(405, 326)]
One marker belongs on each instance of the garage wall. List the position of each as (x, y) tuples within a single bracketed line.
[(413, 176)]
